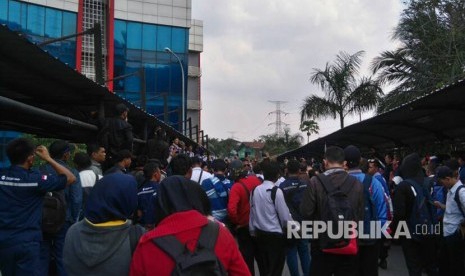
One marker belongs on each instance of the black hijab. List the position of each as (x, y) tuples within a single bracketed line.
[(178, 194), (411, 167)]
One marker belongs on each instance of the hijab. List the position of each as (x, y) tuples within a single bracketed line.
[(114, 197), (177, 194)]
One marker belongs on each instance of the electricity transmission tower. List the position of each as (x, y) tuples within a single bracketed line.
[(232, 134), (278, 122)]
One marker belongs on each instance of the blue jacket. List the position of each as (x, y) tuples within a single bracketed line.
[(377, 195), (73, 193), (21, 198), (217, 189)]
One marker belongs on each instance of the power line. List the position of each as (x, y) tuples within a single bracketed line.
[(278, 122)]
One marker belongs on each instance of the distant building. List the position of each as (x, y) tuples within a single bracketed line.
[(135, 34)]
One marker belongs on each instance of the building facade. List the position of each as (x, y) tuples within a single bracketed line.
[(147, 47)]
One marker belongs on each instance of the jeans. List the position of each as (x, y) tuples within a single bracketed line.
[(300, 247), (52, 246), (21, 259)]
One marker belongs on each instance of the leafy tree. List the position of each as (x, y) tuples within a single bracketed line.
[(277, 144), (344, 94), (309, 126), (222, 148), (431, 53)]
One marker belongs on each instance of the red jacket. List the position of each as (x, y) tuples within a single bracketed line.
[(238, 204), (148, 259)]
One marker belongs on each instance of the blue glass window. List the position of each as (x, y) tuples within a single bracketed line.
[(53, 23), (14, 15), (178, 40), (36, 20), (150, 78), (23, 16), (162, 77), (134, 35), (120, 34), (163, 38), (69, 24), (3, 11), (132, 83), (149, 37)]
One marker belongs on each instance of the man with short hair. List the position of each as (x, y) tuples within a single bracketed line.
[(146, 195), (269, 215), (452, 253), (53, 243), (217, 189), (293, 188), (198, 174), (375, 211), (123, 161), (313, 201), (373, 170), (239, 210), (97, 156), (21, 197), (117, 132)]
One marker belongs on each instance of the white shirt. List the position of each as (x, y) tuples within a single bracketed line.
[(87, 178), (264, 215), (196, 175), (452, 215)]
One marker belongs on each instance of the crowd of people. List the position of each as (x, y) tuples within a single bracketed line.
[(181, 213)]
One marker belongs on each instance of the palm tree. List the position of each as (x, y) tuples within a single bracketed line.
[(310, 127), (344, 94), (431, 54)]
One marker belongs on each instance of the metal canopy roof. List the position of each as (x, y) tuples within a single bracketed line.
[(29, 76), (438, 117)]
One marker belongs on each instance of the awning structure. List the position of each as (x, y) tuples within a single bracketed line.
[(41, 95), (437, 118)]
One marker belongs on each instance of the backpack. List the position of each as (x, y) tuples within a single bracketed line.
[(423, 211), (53, 212), (53, 209), (202, 261), (337, 208), (293, 198), (457, 199)]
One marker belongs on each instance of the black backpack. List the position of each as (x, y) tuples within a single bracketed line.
[(337, 208), (53, 209), (53, 212), (202, 261)]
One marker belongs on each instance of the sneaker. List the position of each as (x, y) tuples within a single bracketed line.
[(383, 264)]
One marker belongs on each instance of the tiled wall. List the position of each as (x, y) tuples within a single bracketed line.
[(196, 36), (163, 12), (69, 5)]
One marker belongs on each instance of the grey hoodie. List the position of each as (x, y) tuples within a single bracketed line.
[(92, 250)]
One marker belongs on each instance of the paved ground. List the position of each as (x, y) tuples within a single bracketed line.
[(396, 264)]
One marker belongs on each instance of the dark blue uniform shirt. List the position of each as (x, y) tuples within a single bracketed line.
[(146, 202), (21, 196)]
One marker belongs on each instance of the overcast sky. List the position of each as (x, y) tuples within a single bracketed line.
[(261, 50)]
